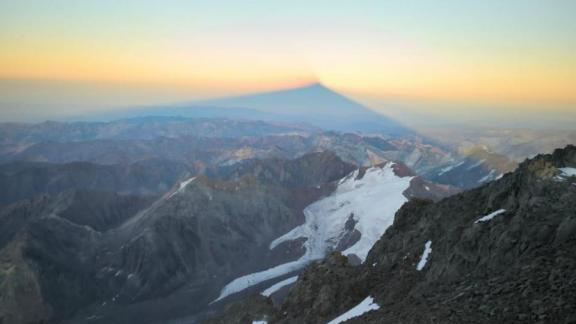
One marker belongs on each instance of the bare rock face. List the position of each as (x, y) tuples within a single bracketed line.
[(21, 298), (502, 253), (41, 241)]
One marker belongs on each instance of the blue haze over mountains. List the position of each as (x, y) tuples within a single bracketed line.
[(315, 105)]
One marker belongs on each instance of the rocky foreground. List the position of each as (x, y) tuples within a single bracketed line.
[(502, 253)]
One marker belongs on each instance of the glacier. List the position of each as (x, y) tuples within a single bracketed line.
[(371, 201)]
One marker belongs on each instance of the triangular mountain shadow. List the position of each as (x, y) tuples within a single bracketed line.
[(315, 104)]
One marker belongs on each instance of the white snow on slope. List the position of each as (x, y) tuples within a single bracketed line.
[(490, 176), (449, 168), (490, 216), (253, 279), (183, 185), (477, 164), (372, 201), (157, 203), (567, 172), (425, 256), (259, 322), (365, 306), (268, 292)]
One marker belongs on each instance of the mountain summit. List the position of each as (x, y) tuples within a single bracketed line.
[(315, 104)]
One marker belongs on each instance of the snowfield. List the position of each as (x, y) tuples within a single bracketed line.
[(365, 306), (370, 201), (490, 216), (425, 256)]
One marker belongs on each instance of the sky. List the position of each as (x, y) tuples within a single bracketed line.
[(63, 55)]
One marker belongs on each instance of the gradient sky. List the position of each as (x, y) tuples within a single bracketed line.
[(114, 52)]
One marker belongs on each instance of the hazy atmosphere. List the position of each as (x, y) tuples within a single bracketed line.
[(287, 162), (500, 60)]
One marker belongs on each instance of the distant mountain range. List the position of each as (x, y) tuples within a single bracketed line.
[(201, 143)]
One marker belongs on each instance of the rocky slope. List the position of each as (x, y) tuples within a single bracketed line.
[(21, 180), (109, 258), (26, 286), (502, 253), (104, 257)]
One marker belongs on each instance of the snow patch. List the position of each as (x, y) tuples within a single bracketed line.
[(365, 306), (183, 185), (259, 322), (490, 216), (425, 256), (371, 201), (274, 288), (449, 168), (253, 279), (488, 177), (477, 164), (569, 172), (566, 173)]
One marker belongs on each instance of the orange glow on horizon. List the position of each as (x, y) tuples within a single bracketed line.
[(420, 73)]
